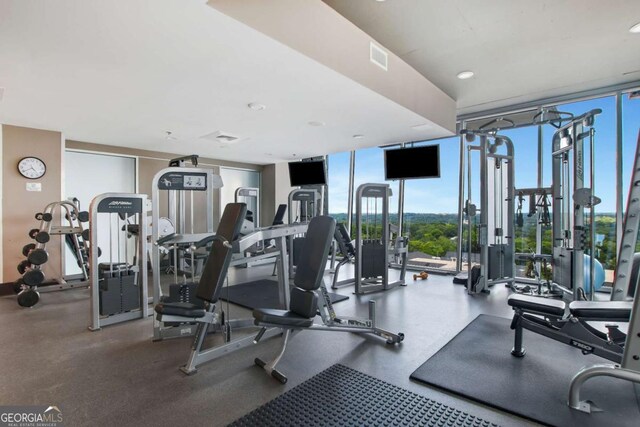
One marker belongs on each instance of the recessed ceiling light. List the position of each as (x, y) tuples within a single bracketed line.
[(256, 106), (358, 136), (635, 29), (463, 75), (316, 123)]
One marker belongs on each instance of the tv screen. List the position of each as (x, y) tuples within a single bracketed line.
[(412, 163), (307, 173)]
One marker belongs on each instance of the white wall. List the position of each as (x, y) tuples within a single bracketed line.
[(1, 175), (88, 175)]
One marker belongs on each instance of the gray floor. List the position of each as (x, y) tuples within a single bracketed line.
[(119, 376)]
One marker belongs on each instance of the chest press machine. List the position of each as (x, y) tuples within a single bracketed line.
[(310, 296), (551, 318)]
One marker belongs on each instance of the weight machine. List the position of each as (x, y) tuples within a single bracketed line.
[(375, 244), (178, 185), (572, 194), (495, 234), (303, 205), (119, 289)]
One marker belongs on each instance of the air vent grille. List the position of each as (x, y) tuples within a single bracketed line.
[(378, 56), (220, 136)]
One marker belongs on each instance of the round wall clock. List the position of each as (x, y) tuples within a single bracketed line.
[(32, 167)]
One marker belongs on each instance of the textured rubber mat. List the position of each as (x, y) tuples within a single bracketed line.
[(477, 363), (341, 396), (260, 294)]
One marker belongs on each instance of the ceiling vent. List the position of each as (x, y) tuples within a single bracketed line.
[(378, 56), (220, 136)]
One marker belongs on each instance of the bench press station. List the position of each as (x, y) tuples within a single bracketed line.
[(550, 318)]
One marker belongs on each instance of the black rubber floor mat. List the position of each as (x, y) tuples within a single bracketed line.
[(260, 294), (477, 364), (341, 396)]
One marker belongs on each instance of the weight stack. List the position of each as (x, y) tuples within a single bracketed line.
[(119, 290)]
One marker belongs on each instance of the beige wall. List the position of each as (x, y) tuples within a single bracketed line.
[(18, 205)]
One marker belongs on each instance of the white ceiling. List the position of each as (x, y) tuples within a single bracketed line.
[(125, 72), (520, 50)]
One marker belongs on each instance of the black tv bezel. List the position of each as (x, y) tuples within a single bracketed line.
[(324, 171), (413, 177)]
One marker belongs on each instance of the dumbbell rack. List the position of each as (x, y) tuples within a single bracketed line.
[(33, 281)]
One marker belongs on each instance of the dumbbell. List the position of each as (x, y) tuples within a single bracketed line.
[(28, 248), (38, 257), (17, 285), (33, 232), (46, 217), (422, 275), (23, 266), (28, 298), (42, 237), (83, 216), (33, 277)]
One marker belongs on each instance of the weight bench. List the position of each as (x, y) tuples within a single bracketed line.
[(345, 247), (569, 325), (310, 295), (208, 289)]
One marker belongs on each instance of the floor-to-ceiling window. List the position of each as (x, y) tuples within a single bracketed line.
[(431, 211), (338, 181)]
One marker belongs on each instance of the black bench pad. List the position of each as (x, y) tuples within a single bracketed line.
[(602, 310), (538, 304), (184, 309), (280, 317)]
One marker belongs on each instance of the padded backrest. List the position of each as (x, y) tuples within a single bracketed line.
[(344, 241), (303, 303), (217, 264), (279, 218), (314, 253), (633, 279)]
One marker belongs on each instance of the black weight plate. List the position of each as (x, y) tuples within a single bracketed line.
[(28, 248), (28, 298), (33, 277), (86, 234), (17, 285), (83, 216), (47, 217), (33, 232), (38, 257), (43, 237), (38, 216), (22, 267)]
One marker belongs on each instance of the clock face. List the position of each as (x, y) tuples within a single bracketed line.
[(32, 167)]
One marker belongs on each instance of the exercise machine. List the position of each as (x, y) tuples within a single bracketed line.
[(573, 192), (550, 317), (303, 205), (495, 231), (33, 280), (377, 242), (189, 194), (119, 290), (347, 250), (310, 296), (204, 311)]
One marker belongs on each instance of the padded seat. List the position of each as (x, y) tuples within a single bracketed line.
[(536, 304), (184, 309), (602, 310), (280, 317)]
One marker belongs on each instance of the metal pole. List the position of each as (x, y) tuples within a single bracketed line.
[(461, 166), (619, 165), (352, 166), (401, 202)]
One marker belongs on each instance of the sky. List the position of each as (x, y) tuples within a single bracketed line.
[(440, 195)]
